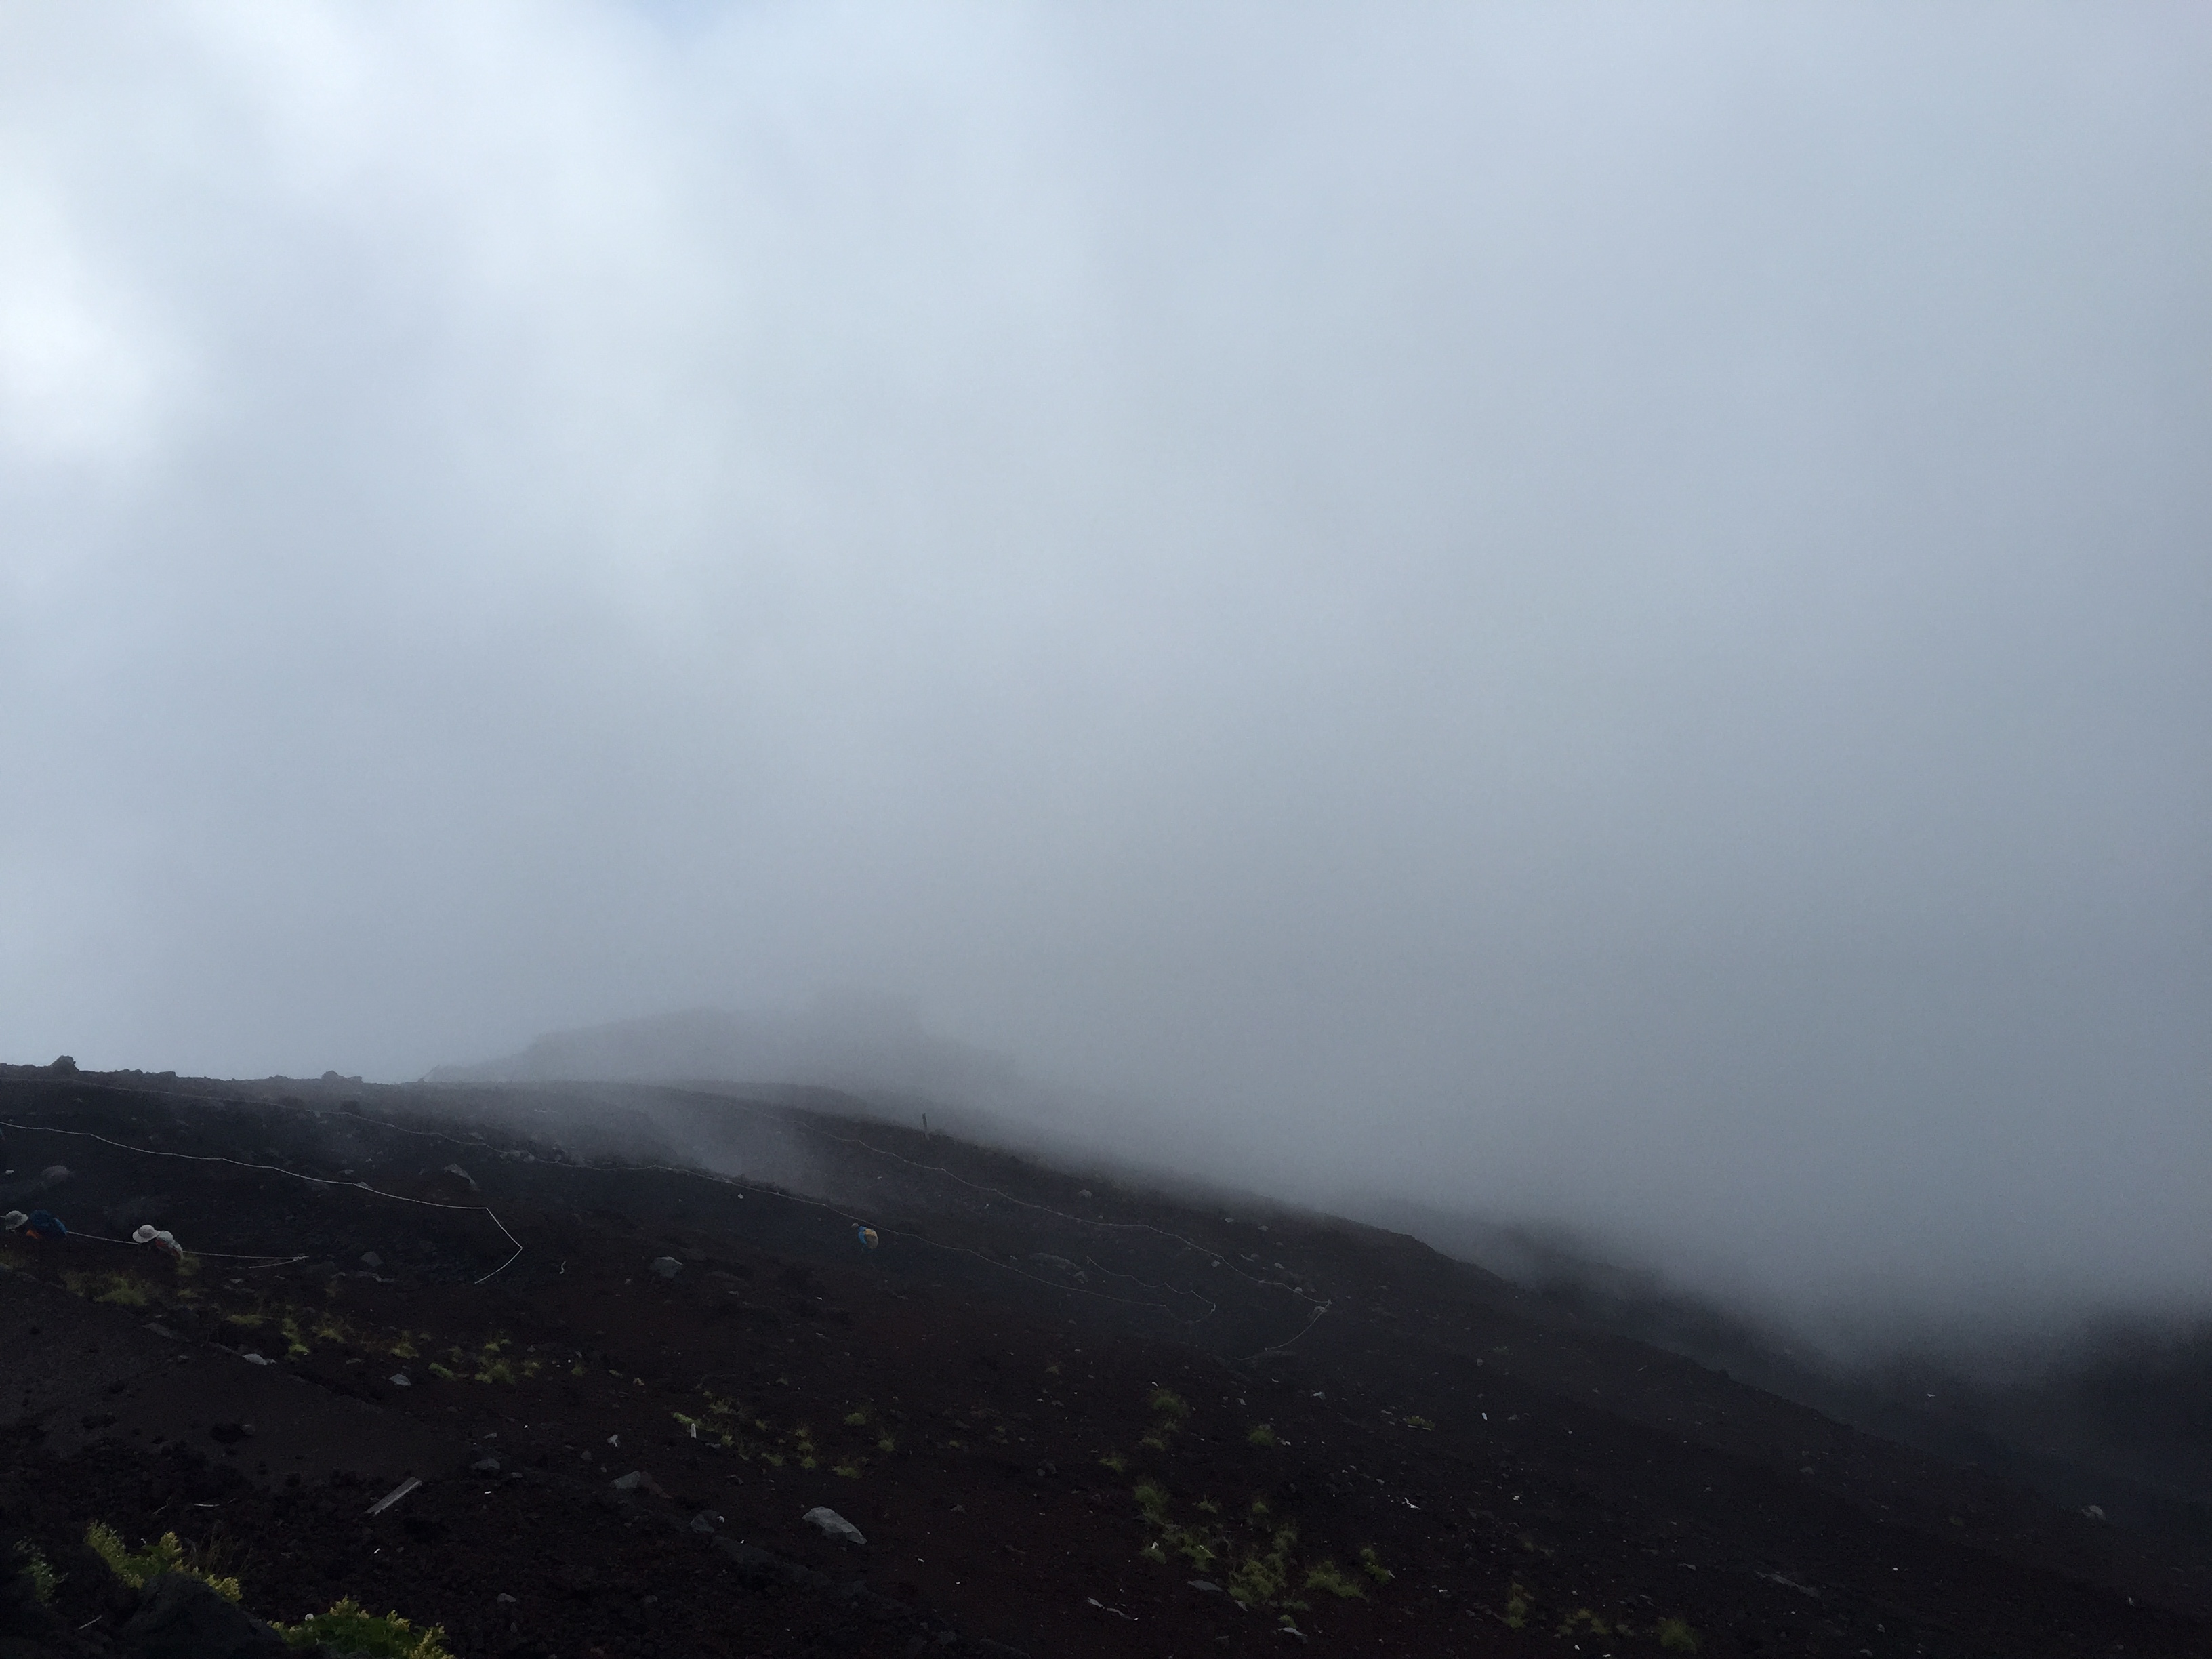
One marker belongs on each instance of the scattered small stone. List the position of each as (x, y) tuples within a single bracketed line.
[(833, 1525)]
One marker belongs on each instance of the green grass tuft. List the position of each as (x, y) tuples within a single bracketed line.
[(1261, 1579), (164, 1554), (351, 1628), (1327, 1577), (42, 1576)]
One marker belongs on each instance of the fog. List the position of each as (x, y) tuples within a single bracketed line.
[(1593, 615)]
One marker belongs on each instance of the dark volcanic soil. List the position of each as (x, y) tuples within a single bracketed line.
[(1070, 1417)]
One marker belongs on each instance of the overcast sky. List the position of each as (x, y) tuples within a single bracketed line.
[(1601, 612)]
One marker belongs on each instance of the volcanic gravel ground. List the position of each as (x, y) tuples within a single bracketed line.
[(1070, 1416)]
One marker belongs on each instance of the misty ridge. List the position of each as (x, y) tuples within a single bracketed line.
[(1586, 641), (849, 1043), (2085, 1402)]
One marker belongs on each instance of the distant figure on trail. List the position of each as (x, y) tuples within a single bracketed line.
[(39, 1226)]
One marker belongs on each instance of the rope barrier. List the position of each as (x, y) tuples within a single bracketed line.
[(272, 1169), (784, 1119), (717, 1178), (212, 1256)]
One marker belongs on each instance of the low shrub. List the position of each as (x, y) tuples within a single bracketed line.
[(42, 1576), (349, 1628), (164, 1554), (1327, 1576)]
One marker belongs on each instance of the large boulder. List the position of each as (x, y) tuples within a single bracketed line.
[(28, 1630), (179, 1617)]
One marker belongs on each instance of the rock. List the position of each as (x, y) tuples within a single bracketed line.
[(63, 1065), (706, 1521), (486, 1466), (833, 1525), (401, 1380), (23, 1616), (370, 1259), (667, 1266), (53, 1175), (637, 1478), (505, 1600), (180, 1618), (756, 1565)]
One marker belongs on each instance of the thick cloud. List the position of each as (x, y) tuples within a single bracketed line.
[(1593, 613)]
